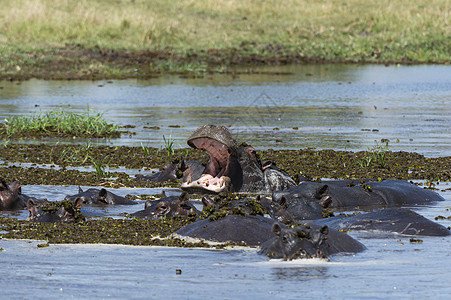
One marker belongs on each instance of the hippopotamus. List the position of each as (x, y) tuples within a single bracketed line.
[(308, 241), (251, 230), (167, 207), (232, 167), (177, 170), (11, 197), (51, 212), (394, 220), (95, 196), (309, 199)]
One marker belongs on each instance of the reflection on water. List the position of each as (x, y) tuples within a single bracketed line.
[(300, 274), (326, 106)]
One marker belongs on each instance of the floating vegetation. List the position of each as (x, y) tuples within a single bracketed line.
[(311, 163), (105, 231)]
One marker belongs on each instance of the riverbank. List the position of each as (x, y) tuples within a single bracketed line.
[(97, 40)]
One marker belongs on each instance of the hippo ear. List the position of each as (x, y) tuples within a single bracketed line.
[(283, 202), (78, 203), (80, 190), (163, 195), (3, 185), (320, 191), (30, 204), (276, 229), (182, 165), (184, 198), (208, 201), (324, 230), (103, 193)]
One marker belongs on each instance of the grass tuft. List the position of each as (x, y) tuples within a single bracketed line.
[(61, 122)]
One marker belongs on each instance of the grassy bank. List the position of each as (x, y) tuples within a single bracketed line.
[(195, 35)]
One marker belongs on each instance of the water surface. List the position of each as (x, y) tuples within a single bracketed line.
[(325, 107)]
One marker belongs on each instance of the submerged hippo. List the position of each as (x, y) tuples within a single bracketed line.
[(232, 168), (51, 212), (167, 207), (396, 220), (309, 199), (308, 241), (178, 170), (11, 197), (94, 196), (251, 230)]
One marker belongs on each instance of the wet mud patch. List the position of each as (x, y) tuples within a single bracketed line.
[(75, 62)]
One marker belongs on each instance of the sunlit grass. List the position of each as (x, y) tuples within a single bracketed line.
[(416, 30), (61, 122)]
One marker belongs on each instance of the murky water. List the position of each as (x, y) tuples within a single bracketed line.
[(338, 107), (325, 107)]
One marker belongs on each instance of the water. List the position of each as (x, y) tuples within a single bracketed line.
[(329, 105)]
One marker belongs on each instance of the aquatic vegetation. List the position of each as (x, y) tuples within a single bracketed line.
[(105, 230), (61, 122), (99, 166), (169, 145), (375, 155)]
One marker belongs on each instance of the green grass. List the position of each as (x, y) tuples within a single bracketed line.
[(33, 31), (61, 122)]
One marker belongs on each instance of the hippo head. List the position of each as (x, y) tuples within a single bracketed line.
[(222, 148), (10, 195), (45, 211), (306, 201), (167, 207), (302, 241)]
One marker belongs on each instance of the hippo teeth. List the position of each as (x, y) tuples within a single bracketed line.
[(209, 183)]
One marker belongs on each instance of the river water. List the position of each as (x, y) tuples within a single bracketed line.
[(325, 107), (336, 107)]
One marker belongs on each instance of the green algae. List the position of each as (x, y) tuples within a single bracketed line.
[(303, 162), (106, 231), (232, 204)]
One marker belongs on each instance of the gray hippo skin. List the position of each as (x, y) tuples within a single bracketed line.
[(396, 220), (232, 168), (94, 196), (167, 207), (11, 197), (53, 213), (308, 199), (308, 241), (178, 170), (252, 230)]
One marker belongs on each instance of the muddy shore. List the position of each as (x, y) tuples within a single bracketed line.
[(75, 62)]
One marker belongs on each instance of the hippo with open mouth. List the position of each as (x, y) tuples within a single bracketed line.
[(232, 167)]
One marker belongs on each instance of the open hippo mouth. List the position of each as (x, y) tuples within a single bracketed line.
[(216, 174), (221, 147)]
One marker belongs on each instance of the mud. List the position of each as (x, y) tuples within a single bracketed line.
[(73, 62)]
